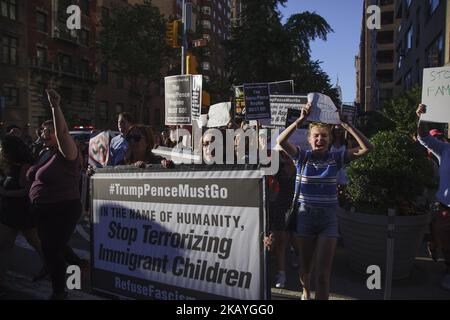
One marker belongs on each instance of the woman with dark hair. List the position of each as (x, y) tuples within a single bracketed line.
[(15, 160), (340, 144), (54, 193), (140, 145)]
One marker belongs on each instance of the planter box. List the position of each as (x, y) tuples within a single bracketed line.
[(365, 239)]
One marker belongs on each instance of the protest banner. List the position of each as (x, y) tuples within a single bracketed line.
[(279, 105), (178, 235), (281, 87), (196, 103), (257, 103), (99, 149), (178, 99), (219, 115), (436, 94), (323, 109)]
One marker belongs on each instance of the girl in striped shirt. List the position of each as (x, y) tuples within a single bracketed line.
[(317, 225)]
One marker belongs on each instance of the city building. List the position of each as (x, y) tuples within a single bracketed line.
[(215, 21), (375, 62), (61, 59), (236, 11), (422, 40), (13, 64)]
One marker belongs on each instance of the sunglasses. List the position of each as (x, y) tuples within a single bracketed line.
[(135, 137)]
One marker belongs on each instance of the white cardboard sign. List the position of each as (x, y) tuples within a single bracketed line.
[(436, 94), (323, 109), (219, 115)]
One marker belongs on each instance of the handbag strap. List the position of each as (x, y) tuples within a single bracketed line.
[(297, 189)]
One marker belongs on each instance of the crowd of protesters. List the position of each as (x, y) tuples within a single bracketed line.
[(40, 192)]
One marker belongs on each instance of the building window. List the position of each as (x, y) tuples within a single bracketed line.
[(9, 9), (9, 50), (84, 37), (119, 81), (205, 65), (11, 96), (435, 53), (84, 67), (84, 7), (400, 55), (103, 110), (104, 72), (158, 116), (206, 10), (85, 98), (41, 21), (119, 108), (408, 80), (66, 96), (65, 62), (408, 4), (206, 24), (207, 37), (432, 5), (105, 13), (41, 55), (409, 38)]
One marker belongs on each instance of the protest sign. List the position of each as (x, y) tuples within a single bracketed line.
[(239, 102), (219, 115), (436, 94), (257, 103), (279, 105), (323, 109), (196, 103), (281, 87), (99, 149), (178, 235), (348, 113), (178, 99)]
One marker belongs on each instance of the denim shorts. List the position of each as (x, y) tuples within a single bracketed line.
[(317, 221)]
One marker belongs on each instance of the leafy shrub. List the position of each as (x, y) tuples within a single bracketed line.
[(393, 175)]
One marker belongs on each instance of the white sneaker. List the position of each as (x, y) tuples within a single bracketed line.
[(280, 279)]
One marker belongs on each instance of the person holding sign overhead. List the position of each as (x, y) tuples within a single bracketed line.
[(441, 212), (316, 190)]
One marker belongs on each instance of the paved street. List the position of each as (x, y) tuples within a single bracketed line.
[(346, 284)]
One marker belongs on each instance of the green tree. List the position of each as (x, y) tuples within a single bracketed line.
[(132, 40), (262, 49), (401, 111)]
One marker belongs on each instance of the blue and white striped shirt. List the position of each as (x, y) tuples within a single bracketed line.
[(318, 185)]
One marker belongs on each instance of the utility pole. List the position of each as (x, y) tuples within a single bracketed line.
[(183, 39)]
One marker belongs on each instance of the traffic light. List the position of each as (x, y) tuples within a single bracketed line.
[(173, 33), (191, 64)]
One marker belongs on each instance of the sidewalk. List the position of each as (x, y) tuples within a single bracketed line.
[(20, 287), (423, 284)]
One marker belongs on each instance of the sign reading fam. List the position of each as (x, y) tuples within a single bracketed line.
[(436, 94)]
